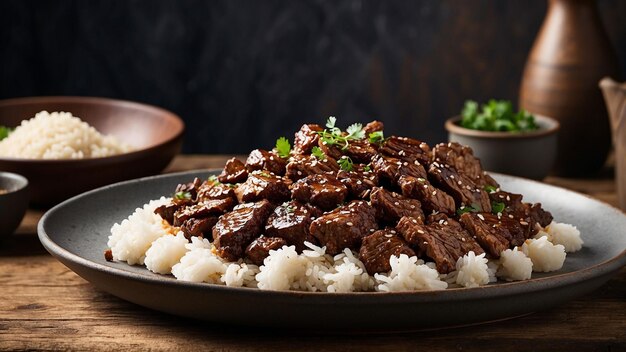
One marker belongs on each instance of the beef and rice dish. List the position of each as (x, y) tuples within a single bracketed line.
[(349, 210)]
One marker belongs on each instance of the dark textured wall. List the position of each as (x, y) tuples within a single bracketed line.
[(242, 73)]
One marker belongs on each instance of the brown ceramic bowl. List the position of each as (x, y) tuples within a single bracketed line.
[(526, 154), (154, 132), (13, 201)]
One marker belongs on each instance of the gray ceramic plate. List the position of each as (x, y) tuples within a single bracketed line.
[(76, 232)]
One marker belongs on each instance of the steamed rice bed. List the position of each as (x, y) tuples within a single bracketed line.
[(145, 238), (59, 135)]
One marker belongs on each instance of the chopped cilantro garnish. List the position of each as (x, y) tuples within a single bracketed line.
[(283, 147), (333, 135), (496, 115), (490, 188), (318, 153), (345, 163), (5, 132), (213, 180), (290, 209), (497, 207), (182, 195), (264, 174), (330, 123), (377, 137), (367, 168), (465, 209)]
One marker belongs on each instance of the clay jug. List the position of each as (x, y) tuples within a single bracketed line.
[(570, 55), (615, 97)]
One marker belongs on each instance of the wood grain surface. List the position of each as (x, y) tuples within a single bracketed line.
[(45, 306)]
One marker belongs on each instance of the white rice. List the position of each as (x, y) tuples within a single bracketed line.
[(472, 270), (59, 135), (514, 265), (545, 256), (165, 252), (130, 239), (145, 238), (409, 274), (563, 234)]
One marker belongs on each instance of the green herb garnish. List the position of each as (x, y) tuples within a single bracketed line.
[(318, 153), (345, 163), (497, 207), (283, 147), (333, 135), (182, 195), (496, 115), (377, 137), (264, 174), (213, 180), (367, 168), (490, 188), (5, 132), (465, 209)]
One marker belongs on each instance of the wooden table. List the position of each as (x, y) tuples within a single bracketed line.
[(45, 306)]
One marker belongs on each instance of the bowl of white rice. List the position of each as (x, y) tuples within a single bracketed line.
[(68, 145)]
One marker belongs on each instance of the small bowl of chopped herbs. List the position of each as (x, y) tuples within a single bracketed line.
[(507, 141)]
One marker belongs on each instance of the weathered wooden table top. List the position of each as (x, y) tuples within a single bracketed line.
[(45, 306)]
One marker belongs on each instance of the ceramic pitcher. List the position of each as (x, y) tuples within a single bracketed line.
[(615, 97)]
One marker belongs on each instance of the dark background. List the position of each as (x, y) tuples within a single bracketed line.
[(242, 73)]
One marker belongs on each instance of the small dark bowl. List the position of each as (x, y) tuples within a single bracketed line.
[(13, 203), (154, 132), (526, 154)]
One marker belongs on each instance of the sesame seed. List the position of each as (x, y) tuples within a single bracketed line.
[(510, 216), (420, 231), (372, 230), (523, 223), (393, 231), (415, 222), (349, 223), (396, 203), (481, 217), (328, 222), (434, 193), (440, 221)]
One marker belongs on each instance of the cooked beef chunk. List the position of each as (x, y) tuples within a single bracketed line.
[(260, 159), (463, 160), (432, 198), (511, 201), (306, 138), (203, 209), (524, 212), (192, 188), (492, 239), (391, 169), (235, 230), (234, 172), (260, 248), (215, 190), (167, 211), (378, 247), (300, 166), (198, 227), (345, 226), (291, 222), (406, 149), (321, 190), (539, 215), (443, 241), (359, 151), (373, 126), (264, 185), (358, 181), (460, 187), (391, 206)]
